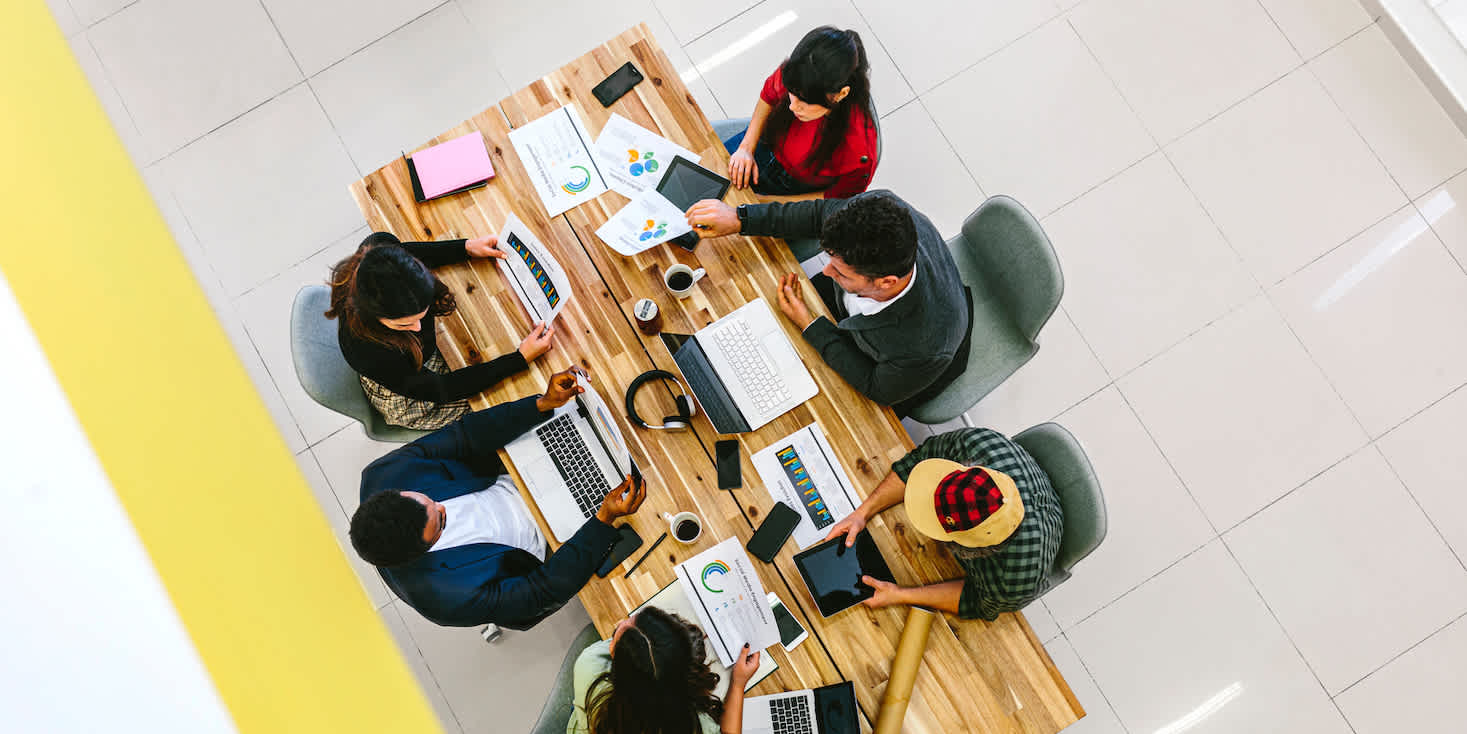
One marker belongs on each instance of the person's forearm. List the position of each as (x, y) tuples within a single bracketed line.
[(887, 494), (733, 709), (756, 126), (942, 597)]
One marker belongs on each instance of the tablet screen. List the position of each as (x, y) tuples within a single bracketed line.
[(833, 572), (686, 183)]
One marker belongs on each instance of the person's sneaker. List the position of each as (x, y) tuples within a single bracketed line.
[(491, 633)]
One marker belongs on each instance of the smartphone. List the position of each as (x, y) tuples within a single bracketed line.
[(627, 544), (730, 475), (772, 534), (620, 82), (791, 632)]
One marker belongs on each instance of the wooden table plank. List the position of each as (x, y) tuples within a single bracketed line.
[(976, 676)]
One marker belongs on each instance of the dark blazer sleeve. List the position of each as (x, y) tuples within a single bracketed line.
[(520, 602), (471, 439), (789, 220), (888, 382), (438, 254)]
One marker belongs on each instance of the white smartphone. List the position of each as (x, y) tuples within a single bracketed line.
[(791, 633)]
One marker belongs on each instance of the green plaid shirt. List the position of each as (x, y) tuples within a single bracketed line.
[(1018, 573)]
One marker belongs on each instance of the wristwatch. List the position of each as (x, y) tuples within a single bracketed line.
[(743, 212)]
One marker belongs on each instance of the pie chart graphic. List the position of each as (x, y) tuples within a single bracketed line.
[(576, 187)]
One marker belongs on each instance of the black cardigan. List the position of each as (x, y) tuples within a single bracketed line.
[(393, 369)]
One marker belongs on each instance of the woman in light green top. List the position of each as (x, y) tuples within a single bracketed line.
[(651, 678)]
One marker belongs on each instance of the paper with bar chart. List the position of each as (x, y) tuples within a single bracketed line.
[(802, 471), (533, 273)]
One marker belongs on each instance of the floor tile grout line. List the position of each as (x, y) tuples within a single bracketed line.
[(1065, 630), (427, 665), (1258, 593), (112, 84), (333, 239), (283, 43), (1318, 367), (882, 45), (347, 56), (1093, 680), (1417, 501), (954, 150), (1401, 654), (1160, 451), (103, 19), (1059, 15), (720, 24), (1114, 85)]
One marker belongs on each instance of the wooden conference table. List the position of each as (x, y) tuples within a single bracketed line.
[(976, 676)]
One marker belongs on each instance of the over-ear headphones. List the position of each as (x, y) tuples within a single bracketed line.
[(685, 407)]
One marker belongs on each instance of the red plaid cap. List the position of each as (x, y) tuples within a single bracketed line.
[(966, 498)]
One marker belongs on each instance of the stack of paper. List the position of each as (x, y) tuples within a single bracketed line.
[(448, 168)]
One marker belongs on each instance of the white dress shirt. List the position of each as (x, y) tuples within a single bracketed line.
[(495, 514), (863, 306)]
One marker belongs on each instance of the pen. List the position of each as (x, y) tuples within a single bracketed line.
[(655, 543)]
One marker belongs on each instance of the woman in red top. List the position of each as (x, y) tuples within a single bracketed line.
[(812, 128)]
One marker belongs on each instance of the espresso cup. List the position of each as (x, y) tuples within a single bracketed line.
[(680, 279), (684, 527)]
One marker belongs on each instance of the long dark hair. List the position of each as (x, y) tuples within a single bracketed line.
[(658, 682), (383, 280), (823, 62)]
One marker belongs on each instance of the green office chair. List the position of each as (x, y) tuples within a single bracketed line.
[(555, 716), (1059, 454), (1008, 262), (324, 373)]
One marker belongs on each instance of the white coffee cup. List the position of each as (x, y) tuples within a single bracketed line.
[(684, 274), (676, 521)]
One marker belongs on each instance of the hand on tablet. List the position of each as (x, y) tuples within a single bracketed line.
[(886, 595), (713, 218), (851, 526)]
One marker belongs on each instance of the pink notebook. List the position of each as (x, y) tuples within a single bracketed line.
[(447, 168)]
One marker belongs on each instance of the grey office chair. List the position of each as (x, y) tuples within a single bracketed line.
[(1005, 257), (555, 716), (802, 249), (1074, 480), (324, 373)]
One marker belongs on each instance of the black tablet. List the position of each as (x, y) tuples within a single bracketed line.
[(833, 572), (686, 183)]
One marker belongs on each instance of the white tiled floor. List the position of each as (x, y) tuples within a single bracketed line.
[(1263, 344)]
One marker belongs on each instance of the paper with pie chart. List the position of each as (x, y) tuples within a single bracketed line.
[(556, 150), (648, 220), (729, 600), (634, 158)]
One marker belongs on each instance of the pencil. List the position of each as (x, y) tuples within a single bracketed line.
[(655, 543)]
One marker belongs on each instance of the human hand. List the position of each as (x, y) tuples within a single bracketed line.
[(713, 218), (484, 247), (616, 505), (886, 595), (850, 527), (537, 342), (742, 170), (561, 388), (743, 668), (792, 303)]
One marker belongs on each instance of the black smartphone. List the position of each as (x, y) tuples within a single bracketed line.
[(620, 82), (730, 475), (771, 535), (628, 543)]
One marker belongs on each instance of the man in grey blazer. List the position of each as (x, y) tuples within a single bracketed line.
[(903, 327)]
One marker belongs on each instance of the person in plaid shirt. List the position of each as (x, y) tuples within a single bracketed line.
[(984, 494)]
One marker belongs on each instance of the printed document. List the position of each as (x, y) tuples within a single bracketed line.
[(672, 599), (648, 220), (533, 273), (801, 471), (557, 152), (728, 600), (634, 158)]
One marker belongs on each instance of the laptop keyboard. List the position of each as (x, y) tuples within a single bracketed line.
[(764, 387), (573, 461), (791, 715)]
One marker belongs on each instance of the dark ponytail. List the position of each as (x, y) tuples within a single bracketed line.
[(823, 62), (658, 683)]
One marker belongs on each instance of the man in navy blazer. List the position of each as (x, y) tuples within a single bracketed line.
[(452, 537)]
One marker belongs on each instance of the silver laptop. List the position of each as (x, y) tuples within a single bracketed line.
[(824, 710), (571, 461), (743, 369)]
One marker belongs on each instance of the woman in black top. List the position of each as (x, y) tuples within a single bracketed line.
[(387, 298)]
